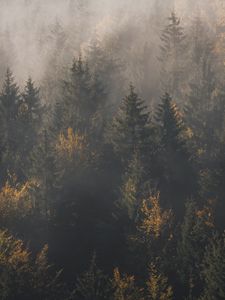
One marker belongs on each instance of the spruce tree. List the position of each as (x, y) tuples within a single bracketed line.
[(199, 105), (9, 107), (171, 56), (213, 272), (93, 284), (177, 180), (196, 232), (83, 95), (131, 128), (30, 118)]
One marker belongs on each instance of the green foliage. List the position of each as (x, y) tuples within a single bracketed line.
[(214, 270), (130, 128), (9, 105), (179, 177), (196, 232), (172, 52), (92, 284)]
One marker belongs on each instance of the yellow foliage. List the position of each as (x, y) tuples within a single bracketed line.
[(15, 199), (206, 216), (12, 253), (189, 133), (154, 219), (125, 288), (157, 286), (71, 145)]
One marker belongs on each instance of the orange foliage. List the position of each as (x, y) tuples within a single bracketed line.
[(154, 220)]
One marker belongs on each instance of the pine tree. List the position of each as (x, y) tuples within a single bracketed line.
[(92, 284), (43, 169), (29, 120), (172, 52), (196, 232), (83, 96), (131, 128), (202, 84), (214, 270), (9, 105), (178, 178)]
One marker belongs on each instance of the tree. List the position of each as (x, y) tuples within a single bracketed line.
[(92, 284), (172, 52), (153, 234), (81, 106), (157, 286), (9, 105), (196, 232), (130, 128), (178, 178), (131, 189), (202, 84), (29, 119), (125, 287), (214, 270), (23, 277)]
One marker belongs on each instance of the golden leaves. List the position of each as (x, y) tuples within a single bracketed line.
[(16, 199), (154, 219), (157, 286), (71, 145)]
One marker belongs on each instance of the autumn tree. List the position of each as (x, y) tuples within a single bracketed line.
[(23, 277), (157, 286)]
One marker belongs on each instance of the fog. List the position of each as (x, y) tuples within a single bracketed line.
[(27, 27)]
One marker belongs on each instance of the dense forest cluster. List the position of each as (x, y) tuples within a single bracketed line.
[(112, 165)]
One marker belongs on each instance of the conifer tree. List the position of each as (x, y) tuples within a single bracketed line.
[(82, 98), (157, 286), (92, 284), (178, 178), (214, 270), (30, 118), (131, 189), (196, 232), (172, 52), (9, 104), (131, 128), (202, 84)]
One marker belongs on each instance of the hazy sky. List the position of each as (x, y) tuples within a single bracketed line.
[(28, 24)]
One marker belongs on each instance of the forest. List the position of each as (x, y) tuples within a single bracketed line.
[(112, 150)]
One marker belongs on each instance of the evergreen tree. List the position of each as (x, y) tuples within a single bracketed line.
[(83, 96), (171, 57), (9, 107), (202, 85), (178, 178), (30, 119), (131, 128), (131, 188), (92, 284), (196, 232), (214, 270)]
